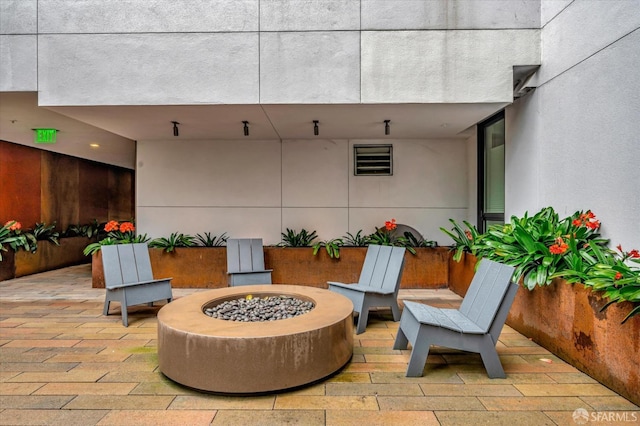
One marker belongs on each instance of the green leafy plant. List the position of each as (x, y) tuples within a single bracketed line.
[(357, 240), (463, 238), (332, 247), (535, 245), (12, 235), (412, 241), (385, 237), (292, 238), (544, 247), (613, 273), (116, 233), (174, 240), (89, 230), (96, 247), (9, 236), (44, 232), (207, 240)]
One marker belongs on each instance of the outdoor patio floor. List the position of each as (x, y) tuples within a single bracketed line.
[(63, 362)]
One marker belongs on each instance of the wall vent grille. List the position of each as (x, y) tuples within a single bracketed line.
[(373, 160)]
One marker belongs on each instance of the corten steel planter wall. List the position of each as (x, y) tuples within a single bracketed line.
[(206, 267), (428, 268), (48, 256), (7, 265), (566, 319), (461, 273), (189, 267)]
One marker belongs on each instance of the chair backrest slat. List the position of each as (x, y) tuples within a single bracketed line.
[(111, 266), (143, 262), (394, 269), (257, 255), (127, 264), (369, 264), (486, 292)]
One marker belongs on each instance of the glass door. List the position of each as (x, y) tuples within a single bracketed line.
[(491, 137)]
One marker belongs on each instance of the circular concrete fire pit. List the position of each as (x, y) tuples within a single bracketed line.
[(249, 357)]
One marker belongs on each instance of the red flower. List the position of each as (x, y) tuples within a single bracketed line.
[(618, 276), (390, 225), (634, 254), (588, 220), (127, 227), (112, 225), (13, 225), (468, 234), (558, 248), (592, 224), (619, 247)]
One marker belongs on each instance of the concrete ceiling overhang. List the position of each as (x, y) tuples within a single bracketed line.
[(115, 128)]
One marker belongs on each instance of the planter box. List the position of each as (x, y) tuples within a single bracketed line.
[(206, 267), (566, 320), (461, 273), (190, 267), (428, 268), (8, 265), (48, 256)]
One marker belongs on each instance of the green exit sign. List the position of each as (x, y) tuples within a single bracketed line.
[(45, 135)]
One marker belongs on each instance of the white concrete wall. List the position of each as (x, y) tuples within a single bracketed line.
[(449, 14), (18, 46), (249, 188), (444, 66), (573, 143), (148, 69), (173, 52)]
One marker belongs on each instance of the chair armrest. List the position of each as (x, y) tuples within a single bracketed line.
[(139, 283), (250, 272), (341, 284), (358, 287)]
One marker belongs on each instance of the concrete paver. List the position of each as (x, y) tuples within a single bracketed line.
[(63, 362)]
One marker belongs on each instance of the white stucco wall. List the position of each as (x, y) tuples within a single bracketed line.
[(174, 52), (263, 187), (573, 143), (444, 66), (18, 46), (18, 65), (449, 14)]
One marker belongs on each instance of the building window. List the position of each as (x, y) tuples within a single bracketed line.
[(491, 144), (373, 160)]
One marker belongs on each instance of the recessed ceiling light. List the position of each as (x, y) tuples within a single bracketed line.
[(94, 145)]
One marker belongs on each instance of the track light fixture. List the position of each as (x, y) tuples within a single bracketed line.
[(387, 129), (316, 129), (246, 128), (175, 128)]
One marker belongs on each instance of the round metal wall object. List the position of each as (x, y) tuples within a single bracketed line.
[(222, 356)]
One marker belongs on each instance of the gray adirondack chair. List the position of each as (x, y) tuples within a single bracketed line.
[(475, 327), (378, 284), (245, 262), (129, 280)]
